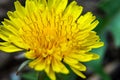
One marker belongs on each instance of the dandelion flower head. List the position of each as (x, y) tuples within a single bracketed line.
[(52, 34)]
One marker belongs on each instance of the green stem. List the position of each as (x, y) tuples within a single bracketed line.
[(41, 75), (38, 75)]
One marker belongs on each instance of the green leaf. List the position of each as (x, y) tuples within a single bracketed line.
[(114, 27), (110, 7), (32, 75)]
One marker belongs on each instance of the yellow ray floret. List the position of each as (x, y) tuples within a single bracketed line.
[(51, 32)]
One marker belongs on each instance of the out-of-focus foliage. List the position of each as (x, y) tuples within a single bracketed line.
[(30, 75), (110, 7), (112, 14), (114, 27), (109, 22)]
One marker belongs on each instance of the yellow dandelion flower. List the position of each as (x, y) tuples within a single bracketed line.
[(52, 33)]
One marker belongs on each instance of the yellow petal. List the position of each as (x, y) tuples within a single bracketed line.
[(93, 25), (92, 41), (55, 66), (70, 60), (97, 45), (78, 73), (73, 10), (41, 65), (17, 41), (85, 21), (58, 5), (94, 56), (58, 66), (28, 8), (10, 48), (51, 3), (4, 43), (3, 37), (4, 33), (41, 4), (50, 72), (81, 36), (78, 66), (30, 54), (84, 57), (33, 63), (19, 9), (8, 22), (11, 29), (15, 23)]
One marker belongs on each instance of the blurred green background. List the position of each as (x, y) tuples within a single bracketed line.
[(106, 68)]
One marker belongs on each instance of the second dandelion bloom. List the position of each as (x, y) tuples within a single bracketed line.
[(53, 34)]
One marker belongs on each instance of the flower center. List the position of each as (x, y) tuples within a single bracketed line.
[(47, 36)]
